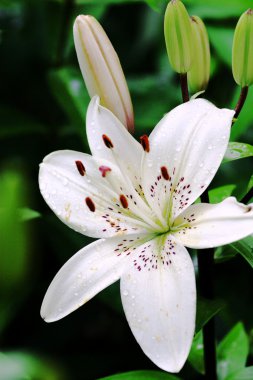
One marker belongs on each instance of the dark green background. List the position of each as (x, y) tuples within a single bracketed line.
[(43, 105)]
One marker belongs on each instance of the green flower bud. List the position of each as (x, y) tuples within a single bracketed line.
[(199, 74), (177, 31), (242, 56)]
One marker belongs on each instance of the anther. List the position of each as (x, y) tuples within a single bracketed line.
[(123, 201), (104, 170), (90, 204), (80, 167), (165, 173), (108, 142), (145, 143)]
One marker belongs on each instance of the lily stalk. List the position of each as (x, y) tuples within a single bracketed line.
[(101, 69)]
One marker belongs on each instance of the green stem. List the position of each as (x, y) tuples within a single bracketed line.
[(184, 87), (241, 101), (206, 266)]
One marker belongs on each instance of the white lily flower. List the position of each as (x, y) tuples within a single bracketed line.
[(138, 200)]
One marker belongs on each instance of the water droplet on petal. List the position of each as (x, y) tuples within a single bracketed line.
[(125, 293)]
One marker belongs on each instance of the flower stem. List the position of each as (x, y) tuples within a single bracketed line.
[(241, 101), (184, 87), (206, 266)]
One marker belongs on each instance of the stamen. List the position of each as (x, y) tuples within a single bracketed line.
[(145, 143), (90, 204), (165, 173), (104, 170), (80, 167), (123, 201), (108, 142)]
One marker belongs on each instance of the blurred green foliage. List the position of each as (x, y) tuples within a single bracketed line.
[(43, 106)]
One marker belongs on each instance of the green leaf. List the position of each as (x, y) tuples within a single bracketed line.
[(236, 150), (222, 40), (142, 375), (23, 366), (196, 356), (242, 374), (146, 91), (245, 248), (217, 9), (224, 253), (69, 90), (14, 251), (232, 351), (206, 309), (220, 193), (26, 214)]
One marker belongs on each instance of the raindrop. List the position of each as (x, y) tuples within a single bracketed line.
[(65, 181), (210, 147), (201, 165), (125, 293), (75, 294)]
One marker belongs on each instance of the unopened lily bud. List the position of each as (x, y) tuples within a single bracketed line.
[(101, 69), (177, 31), (199, 73), (242, 57)]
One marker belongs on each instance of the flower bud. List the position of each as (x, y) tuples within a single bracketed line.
[(242, 56), (177, 31), (199, 73), (101, 69)]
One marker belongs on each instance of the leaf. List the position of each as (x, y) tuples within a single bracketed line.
[(206, 309), (196, 355), (23, 366), (245, 248), (224, 253), (142, 375), (242, 374), (27, 214), (69, 90), (217, 9), (220, 193), (232, 351), (14, 251), (236, 150), (222, 40)]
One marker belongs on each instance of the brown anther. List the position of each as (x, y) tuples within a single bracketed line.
[(80, 167), (108, 142), (104, 170), (123, 201), (145, 143), (165, 173), (90, 204)]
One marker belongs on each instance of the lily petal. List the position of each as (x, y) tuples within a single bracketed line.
[(125, 151), (186, 149), (88, 272), (212, 225), (159, 301), (85, 194)]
